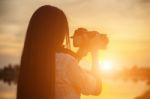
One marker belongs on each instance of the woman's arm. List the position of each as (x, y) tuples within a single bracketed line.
[(87, 83), (95, 71)]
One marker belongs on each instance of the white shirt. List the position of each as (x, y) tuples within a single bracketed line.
[(71, 80)]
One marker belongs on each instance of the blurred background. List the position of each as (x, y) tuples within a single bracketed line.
[(124, 65)]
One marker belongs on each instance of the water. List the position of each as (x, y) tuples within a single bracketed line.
[(111, 90), (7, 91)]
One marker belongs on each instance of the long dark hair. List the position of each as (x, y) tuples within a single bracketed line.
[(45, 35)]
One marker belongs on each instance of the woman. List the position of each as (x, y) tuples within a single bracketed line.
[(43, 57)]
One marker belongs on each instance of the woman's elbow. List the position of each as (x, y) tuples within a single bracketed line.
[(98, 90)]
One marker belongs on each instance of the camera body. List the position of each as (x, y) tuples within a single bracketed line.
[(92, 40)]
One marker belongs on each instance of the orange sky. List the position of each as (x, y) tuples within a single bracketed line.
[(125, 21)]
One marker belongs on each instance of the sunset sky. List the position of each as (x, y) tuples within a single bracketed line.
[(126, 22)]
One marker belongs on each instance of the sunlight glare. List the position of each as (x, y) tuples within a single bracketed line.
[(106, 66)]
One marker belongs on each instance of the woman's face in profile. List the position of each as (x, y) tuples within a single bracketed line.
[(77, 40), (80, 40)]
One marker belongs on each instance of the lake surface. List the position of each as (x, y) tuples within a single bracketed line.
[(118, 89)]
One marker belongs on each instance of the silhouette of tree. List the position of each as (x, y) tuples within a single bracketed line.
[(135, 74), (9, 74)]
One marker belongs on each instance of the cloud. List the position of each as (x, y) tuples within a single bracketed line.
[(3, 9), (145, 1)]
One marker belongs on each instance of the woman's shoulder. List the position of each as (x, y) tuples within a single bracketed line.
[(65, 56)]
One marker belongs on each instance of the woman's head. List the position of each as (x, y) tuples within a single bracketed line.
[(49, 25), (45, 34)]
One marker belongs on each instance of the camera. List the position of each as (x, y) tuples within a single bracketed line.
[(89, 39)]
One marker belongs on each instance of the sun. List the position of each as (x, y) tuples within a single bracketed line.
[(106, 66)]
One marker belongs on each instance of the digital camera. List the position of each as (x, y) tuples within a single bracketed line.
[(89, 39)]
